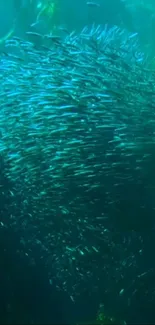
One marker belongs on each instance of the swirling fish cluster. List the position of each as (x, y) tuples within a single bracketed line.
[(75, 115)]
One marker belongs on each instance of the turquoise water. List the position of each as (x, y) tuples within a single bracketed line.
[(77, 184)]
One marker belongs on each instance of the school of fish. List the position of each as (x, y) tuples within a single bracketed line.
[(76, 126)]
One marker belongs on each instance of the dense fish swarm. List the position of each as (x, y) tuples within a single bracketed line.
[(76, 113)]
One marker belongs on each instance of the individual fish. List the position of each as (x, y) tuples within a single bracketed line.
[(93, 4)]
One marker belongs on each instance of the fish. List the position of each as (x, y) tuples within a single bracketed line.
[(76, 130), (93, 4)]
